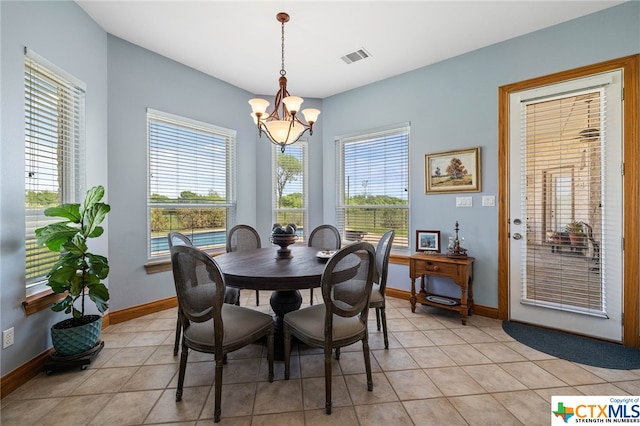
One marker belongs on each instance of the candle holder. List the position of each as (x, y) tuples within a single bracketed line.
[(455, 249)]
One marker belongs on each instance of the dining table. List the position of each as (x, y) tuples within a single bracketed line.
[(263, 269)]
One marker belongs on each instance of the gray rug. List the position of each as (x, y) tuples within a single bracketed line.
[(583, 350)]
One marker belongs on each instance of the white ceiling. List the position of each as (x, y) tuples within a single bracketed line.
[(239, 41)]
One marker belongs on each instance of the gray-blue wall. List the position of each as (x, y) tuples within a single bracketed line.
[(63, 34), (451, 105)]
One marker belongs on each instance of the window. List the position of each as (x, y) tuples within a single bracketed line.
[(54, 155), (290, 186), (373, 178), (191, 185)]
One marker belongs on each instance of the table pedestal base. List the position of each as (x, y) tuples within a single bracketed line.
[(282, 302)]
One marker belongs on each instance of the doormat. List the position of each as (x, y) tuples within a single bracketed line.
[(580, 349)]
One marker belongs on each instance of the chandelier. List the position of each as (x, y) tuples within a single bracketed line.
[(282, 126)]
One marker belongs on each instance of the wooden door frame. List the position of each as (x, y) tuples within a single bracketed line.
[(631, 184)]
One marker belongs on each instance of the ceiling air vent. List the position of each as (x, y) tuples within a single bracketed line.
[(355, 56)]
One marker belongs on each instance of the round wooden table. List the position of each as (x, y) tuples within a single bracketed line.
[(261, 269)]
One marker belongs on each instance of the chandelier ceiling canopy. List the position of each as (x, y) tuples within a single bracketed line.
[(282, 126)]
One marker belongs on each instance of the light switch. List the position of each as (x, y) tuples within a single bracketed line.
[(488, 200), (464, 202)]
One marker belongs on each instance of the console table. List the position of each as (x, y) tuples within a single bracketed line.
[(460, 270)]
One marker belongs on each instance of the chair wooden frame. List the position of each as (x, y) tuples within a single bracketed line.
[(347, 319), (320, 232), (232, 247), (203, 319)]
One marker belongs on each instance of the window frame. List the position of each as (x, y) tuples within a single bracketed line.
[(303, 144), (66, 96), (229, 137), (401, 242)]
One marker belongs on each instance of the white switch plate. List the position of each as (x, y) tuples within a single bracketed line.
[(488, 200), (464, 201)]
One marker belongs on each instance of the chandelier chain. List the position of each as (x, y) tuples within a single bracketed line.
[(282, 71)]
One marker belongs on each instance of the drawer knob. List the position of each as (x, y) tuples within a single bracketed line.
[(435, 268)]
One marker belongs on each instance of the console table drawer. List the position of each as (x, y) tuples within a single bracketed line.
[(436, 268)]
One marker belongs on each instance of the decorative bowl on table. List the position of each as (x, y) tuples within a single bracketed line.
[(284, 237)]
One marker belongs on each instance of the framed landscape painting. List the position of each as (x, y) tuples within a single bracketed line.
[(452, 171)]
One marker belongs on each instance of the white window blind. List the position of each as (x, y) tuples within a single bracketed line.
[(373, 185), (54, 155), (564, 165), (290, 186), (191, 181)]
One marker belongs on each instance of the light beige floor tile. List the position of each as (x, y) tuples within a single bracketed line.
[(340, 416), (167, 409), (493, 378), (130, 357), (498, 333), (423, 322), (150, 377), (430, 357), (400, 324), (601, 389), (473, 335), (611, 375), (464, 354), (68, 412), (228, 421), (395, 359), (547, 393), (241, 370), (498, 352), (106, 380), (382, 390), (453, 381), (632, 387), (278, 397), (376, 340), (197, 374), (57, 384), (436, 411), (313, 391), (482, 322), (128, 408), (483, 410), (526, 406), (569, 372), (527, 352), (353, 363), (163, 355), (412, 339), (412, 384), (151, 338), (531, 375), (281, 419), (444, 337), (162, 324), (313, 366), (237, 400), (27, 412), (383, 414)]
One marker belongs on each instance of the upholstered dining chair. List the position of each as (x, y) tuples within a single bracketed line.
[(231, 294), (324, 237), (208, 324), (377, 300), (342, 319), (244, 237)]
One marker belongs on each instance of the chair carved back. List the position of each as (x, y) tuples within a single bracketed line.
[(243, 237), (325, 237)]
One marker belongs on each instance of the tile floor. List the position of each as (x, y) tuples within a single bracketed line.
[(435, 372)]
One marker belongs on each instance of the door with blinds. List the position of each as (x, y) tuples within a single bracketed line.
[(565, 206)]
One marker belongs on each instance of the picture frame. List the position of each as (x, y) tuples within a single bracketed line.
[(428, 241), (453, 171)]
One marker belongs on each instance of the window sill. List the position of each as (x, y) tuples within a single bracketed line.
[(163, 265), (40, 301)]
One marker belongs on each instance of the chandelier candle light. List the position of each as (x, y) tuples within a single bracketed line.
[(282, 126)]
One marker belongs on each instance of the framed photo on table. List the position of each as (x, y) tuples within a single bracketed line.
[(428, 241), (452, 171)]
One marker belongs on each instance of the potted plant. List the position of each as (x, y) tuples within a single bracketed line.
[(575, 229), (78, 273)]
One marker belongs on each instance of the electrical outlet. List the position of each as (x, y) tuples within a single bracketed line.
[(7, 338)]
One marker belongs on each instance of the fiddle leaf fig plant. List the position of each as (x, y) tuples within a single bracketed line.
[(78, 272)]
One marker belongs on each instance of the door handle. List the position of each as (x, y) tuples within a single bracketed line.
[(517, 236)]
